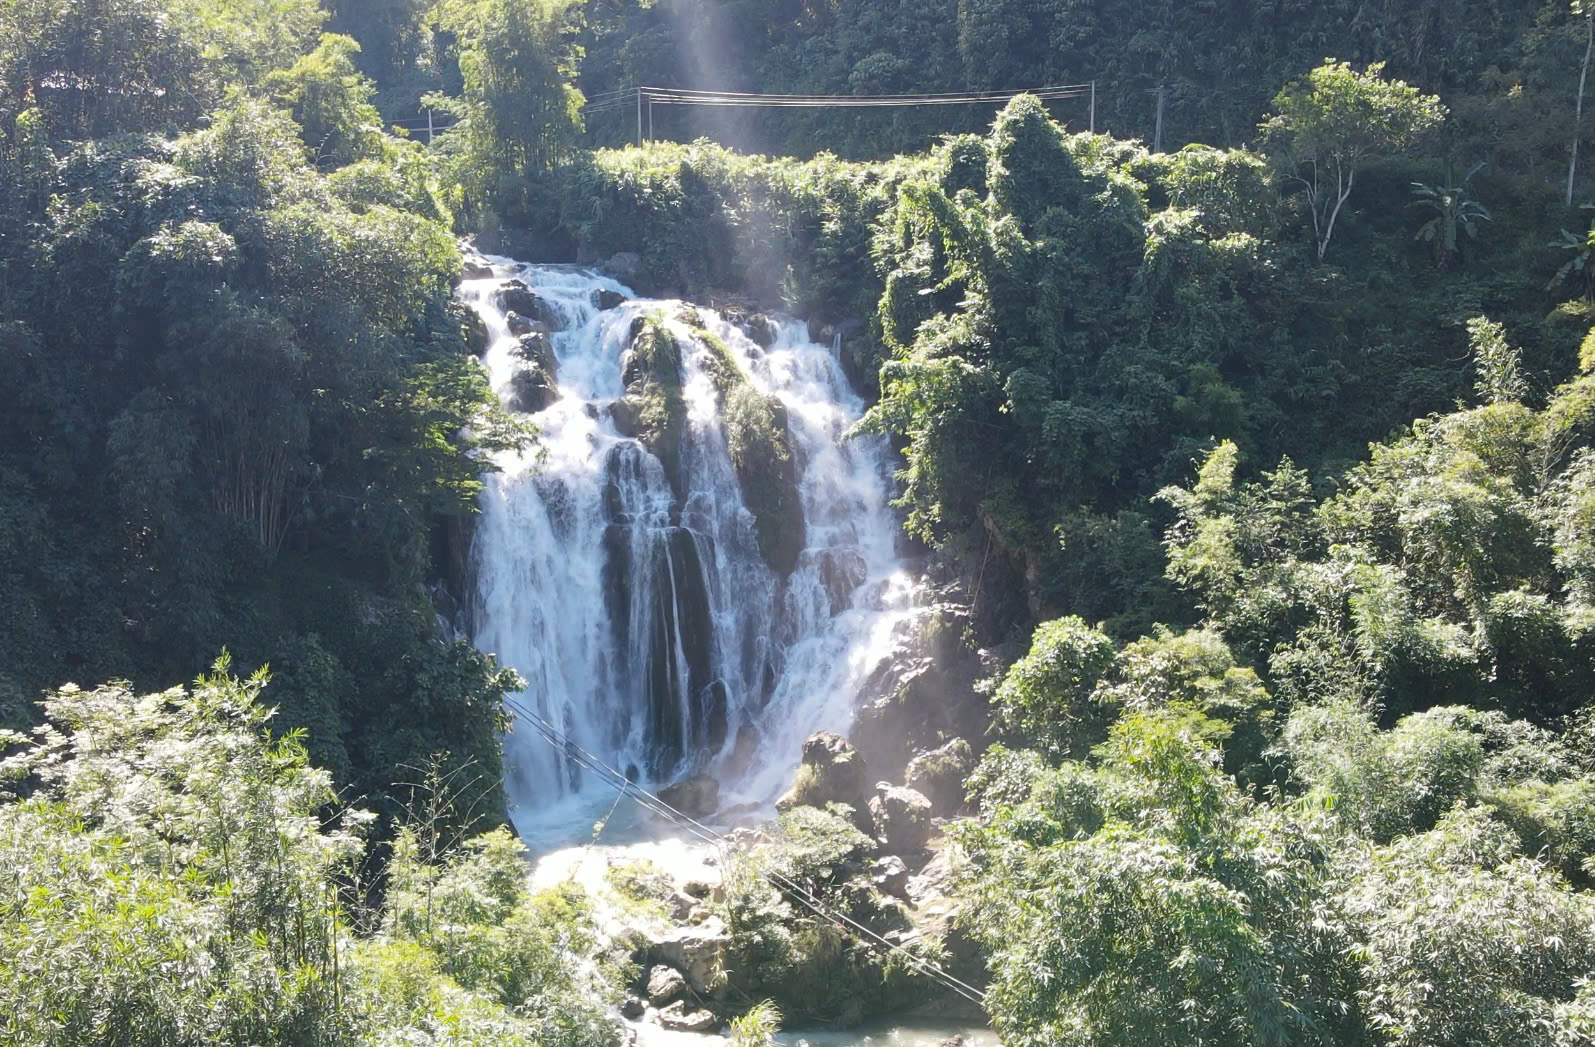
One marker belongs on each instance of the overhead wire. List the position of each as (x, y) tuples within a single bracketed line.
[(625, 98), (649, 801)]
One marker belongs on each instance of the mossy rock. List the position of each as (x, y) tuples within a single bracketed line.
[(653, 384), (760, 440), (761, 452)]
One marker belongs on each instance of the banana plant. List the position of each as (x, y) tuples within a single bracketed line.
[(1453, 211), (1577, 269)]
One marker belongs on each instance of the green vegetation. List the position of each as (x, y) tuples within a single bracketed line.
[(806, 966), (240, 409), (177, 875), (1269, 474)]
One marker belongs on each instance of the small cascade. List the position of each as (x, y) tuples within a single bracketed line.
[(692, 571)]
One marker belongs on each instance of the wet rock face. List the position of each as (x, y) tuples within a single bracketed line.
[(531, 389), (940, 774), (534, 384), (760, 329), (681, 644), (626, 416), (922, 692), (760, 437), (473, 329), (603, 298), (832, 771), (902, 818), (651, 371), (697, 797), (515, 297), (841, 572)]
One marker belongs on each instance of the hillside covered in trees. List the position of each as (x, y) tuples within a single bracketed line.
[(1254, 433)]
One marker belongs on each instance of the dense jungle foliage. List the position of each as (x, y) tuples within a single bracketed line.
[(1259, 430)]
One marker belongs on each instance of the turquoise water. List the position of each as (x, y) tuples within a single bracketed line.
[(884, 1034)]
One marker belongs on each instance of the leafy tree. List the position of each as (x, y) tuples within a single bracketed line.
[(1190, 914), (519, 112), (331, 102), (1334, 122), (1050, 694), (1465, 941), (177, 876)]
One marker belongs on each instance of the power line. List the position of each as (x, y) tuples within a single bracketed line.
[(798, 892)]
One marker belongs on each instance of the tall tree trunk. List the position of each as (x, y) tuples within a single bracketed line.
[(1578, 112)]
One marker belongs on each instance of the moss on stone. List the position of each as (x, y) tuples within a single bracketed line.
[(761, 452), (760, 442), (653, 380)]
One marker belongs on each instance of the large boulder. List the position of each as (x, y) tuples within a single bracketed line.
[(941, 773), (832, 771), (677, 1018), (890, 876), (696, 797), (536, 347), (665, 984), (902, 818), (531, 390), (473, 329), (622, 265), (515, 297), (698, 952), (603, 298)]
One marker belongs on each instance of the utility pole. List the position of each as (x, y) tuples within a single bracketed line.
[(639, 116), (1093, 107), (1157, 133), (429, 125), (650, 118)]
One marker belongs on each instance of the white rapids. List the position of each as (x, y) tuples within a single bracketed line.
[(592, 574)]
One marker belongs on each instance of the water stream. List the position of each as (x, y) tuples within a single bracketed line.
[(645, 619), (638, 605)]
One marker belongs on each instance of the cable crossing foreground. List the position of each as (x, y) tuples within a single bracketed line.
[(646, 97), (786, 885)]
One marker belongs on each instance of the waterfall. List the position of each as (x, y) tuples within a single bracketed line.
[(635, 593)]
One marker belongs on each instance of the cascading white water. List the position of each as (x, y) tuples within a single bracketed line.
[(645, 619)]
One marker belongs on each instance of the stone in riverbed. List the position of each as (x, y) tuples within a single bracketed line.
[(696, 797), (676, 1017), (832, 772), (514, 296), (633, 1006), (603, 298), (698, 952), (665, 984)]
